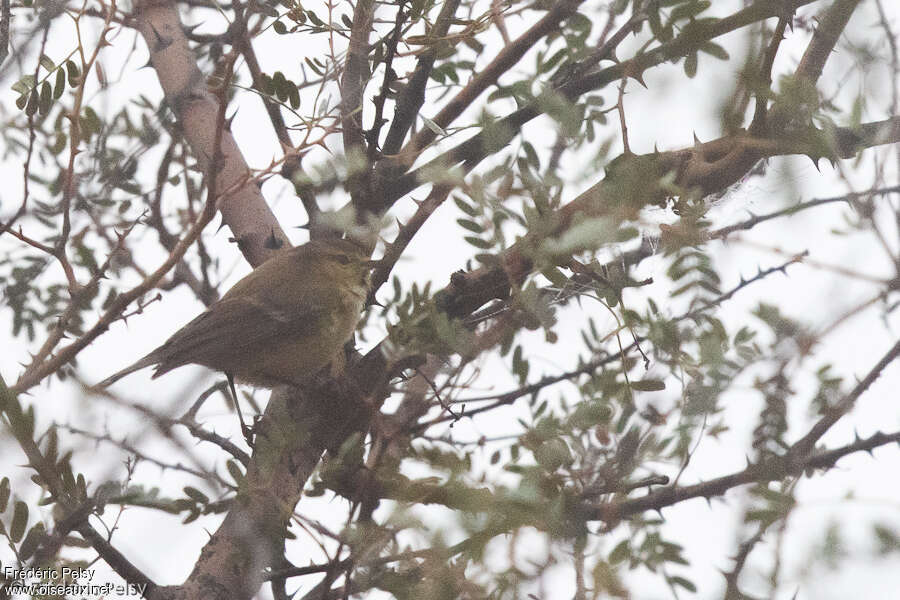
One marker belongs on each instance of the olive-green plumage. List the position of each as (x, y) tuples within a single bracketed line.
[(278, 325)]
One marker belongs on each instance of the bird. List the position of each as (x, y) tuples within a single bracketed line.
[(280, 324)]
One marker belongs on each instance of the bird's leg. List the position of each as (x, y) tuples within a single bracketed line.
[(245, 429)]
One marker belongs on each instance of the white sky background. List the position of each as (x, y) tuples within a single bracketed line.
[(667, 115)]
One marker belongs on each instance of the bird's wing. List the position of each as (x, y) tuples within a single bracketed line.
[(233, 326)]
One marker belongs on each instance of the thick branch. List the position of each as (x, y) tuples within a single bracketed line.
[(242, 206), (353, 85), (832, 23)]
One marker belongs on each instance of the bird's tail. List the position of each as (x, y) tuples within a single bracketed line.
[(147, 361)]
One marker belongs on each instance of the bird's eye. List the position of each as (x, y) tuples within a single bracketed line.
[(343, 259)]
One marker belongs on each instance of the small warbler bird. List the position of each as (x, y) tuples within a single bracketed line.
[(278, 325)]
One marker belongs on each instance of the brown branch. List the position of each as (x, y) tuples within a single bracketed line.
[(758, 123), (632, 183), (18, 423), (775, 470), (395, 249), (804, 446), (37, 371), (373, 135), (353, 84), (471, 152), (832, 23), (755, 220), (413, 96), (634, 257), (488, 76), (732, 590)]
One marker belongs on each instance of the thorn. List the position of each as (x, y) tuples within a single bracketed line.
[(161, 42), (640, 79), (189, 29), (228, 120), (273, 242), (697, 141)]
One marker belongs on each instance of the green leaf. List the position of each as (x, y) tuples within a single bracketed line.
[(690, 65), (47, 63), (689, 10), (682, 582), (479, 243), (470, 225), (32, 541), (465, 206), (19, 521), (620, 552), (24, 85), (46, 98), (32, 106), (648, 385), (73, 73), (60, 85), (196, 495), (235, 471), (715, 49), (553, 454)]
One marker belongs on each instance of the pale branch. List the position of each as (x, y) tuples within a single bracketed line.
[(239, 199)]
